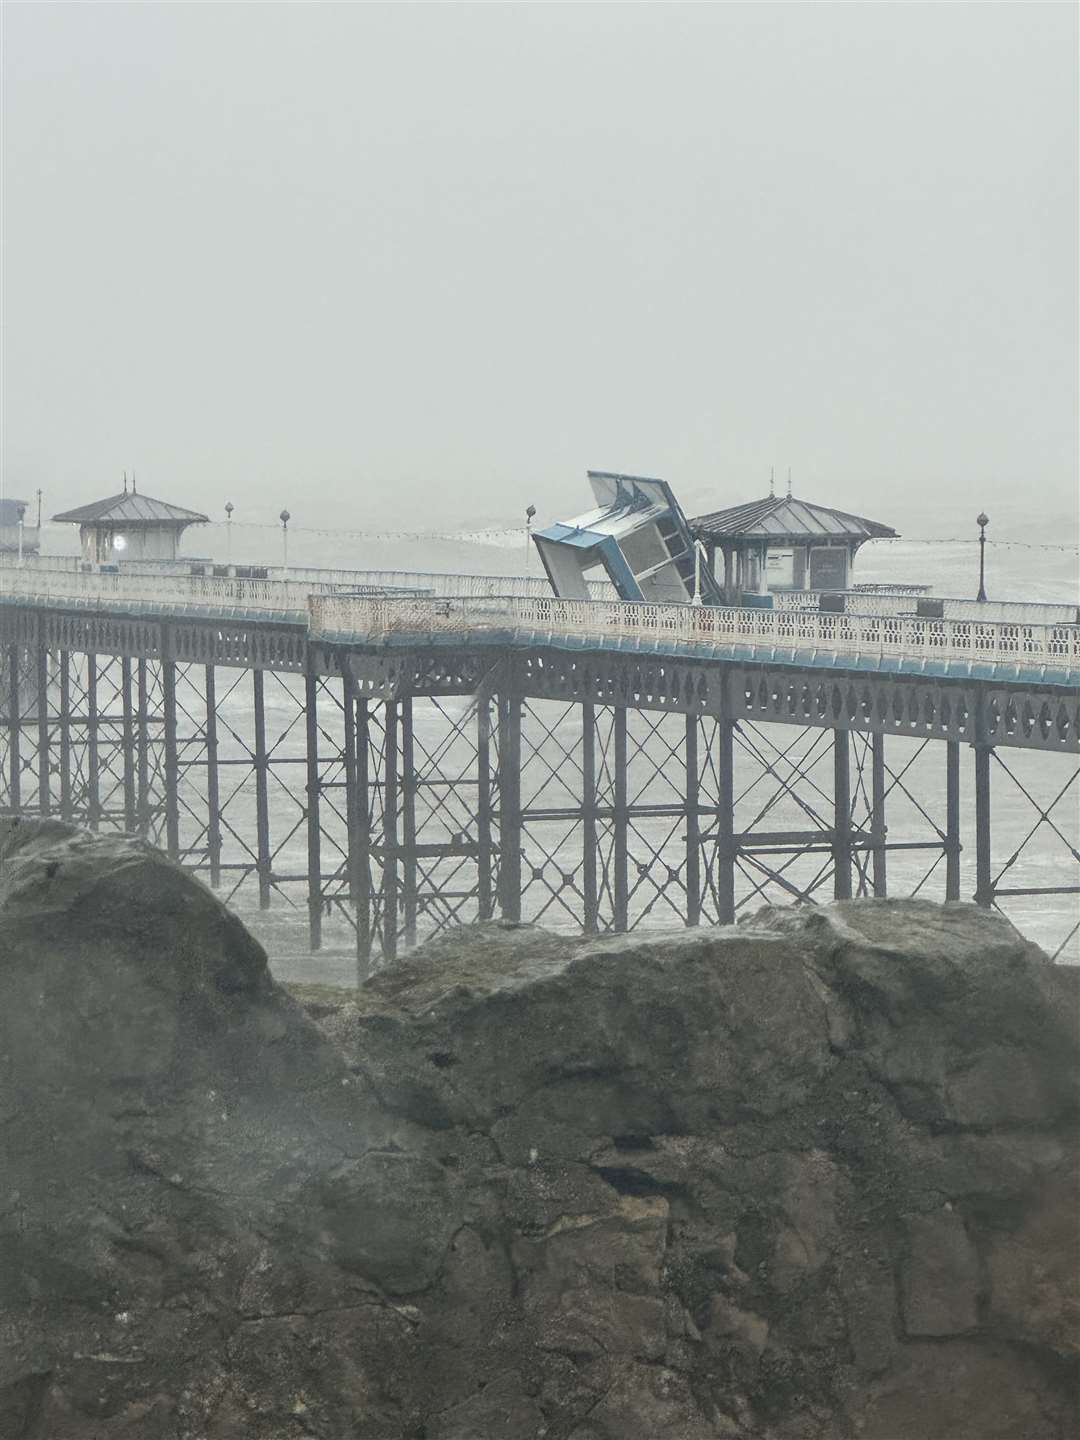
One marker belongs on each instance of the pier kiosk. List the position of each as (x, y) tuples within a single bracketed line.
[(783, 543), (637, 536), (130, 527)]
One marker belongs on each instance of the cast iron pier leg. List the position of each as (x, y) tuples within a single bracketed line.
[(485, 906), (841, 815), (725, 822), (142, 745), (262, 804), (130, 757), (314, 847), (621, 918), (984, 885), (14, 729), (693, 824), (360, 847), (348, 711), (877, 815), (172, 755), (509, 807), (408, 823), (93, 790), (588, 818), (390, 839), (44, 766), (213, 793), (64, 666), (952, 820)]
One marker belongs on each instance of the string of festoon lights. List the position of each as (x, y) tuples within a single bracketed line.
[(494, 533)]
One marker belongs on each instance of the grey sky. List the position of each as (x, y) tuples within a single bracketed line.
[(422, 263)]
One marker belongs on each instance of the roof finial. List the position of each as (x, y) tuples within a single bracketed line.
[(788, 482), (125, 482), (772, 482), (133, 482)]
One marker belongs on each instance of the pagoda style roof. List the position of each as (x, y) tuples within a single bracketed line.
[(132, 509), (783, 517)]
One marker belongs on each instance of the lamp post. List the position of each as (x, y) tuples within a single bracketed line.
[(529, 513), (285, 517), (22, 517), (982, 520), (228, 533)]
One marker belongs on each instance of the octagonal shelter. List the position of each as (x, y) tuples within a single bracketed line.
[(782, 543), (130, 527)]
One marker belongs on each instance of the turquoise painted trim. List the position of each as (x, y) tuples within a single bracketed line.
[(753, 654)]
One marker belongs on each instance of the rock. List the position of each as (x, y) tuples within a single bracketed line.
[(940, 1276), (1034, 1270), (967, 1391), (763, 1183)]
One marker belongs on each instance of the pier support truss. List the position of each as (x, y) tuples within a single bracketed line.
[(367, 800)]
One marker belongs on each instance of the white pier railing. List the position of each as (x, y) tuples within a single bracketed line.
[(870, 639), (905, 603), (171, 591), (338, 611), (315, 579)]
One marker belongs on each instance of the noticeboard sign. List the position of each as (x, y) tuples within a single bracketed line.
[(828, 568), (780, 569)]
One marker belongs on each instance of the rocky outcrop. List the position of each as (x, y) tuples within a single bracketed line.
[(812, 1177)]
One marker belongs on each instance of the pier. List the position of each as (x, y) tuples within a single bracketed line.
[(386, 756)]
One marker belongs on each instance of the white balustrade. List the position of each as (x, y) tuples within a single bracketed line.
[(315, 579), (902, 602), (871, 638), (160, 592), (332, 611)]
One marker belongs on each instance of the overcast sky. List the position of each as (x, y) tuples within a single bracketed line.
[(429, 263)]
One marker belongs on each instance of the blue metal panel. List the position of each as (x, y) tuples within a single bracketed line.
[(619, 572)]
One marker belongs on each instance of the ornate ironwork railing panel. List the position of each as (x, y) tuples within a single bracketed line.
[(985, 649)]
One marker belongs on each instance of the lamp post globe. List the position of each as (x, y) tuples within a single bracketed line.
[(285, 517)]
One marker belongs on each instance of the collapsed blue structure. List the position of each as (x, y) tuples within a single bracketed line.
[(637, 536)]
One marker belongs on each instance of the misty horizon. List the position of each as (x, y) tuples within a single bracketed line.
[(422, 266)]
